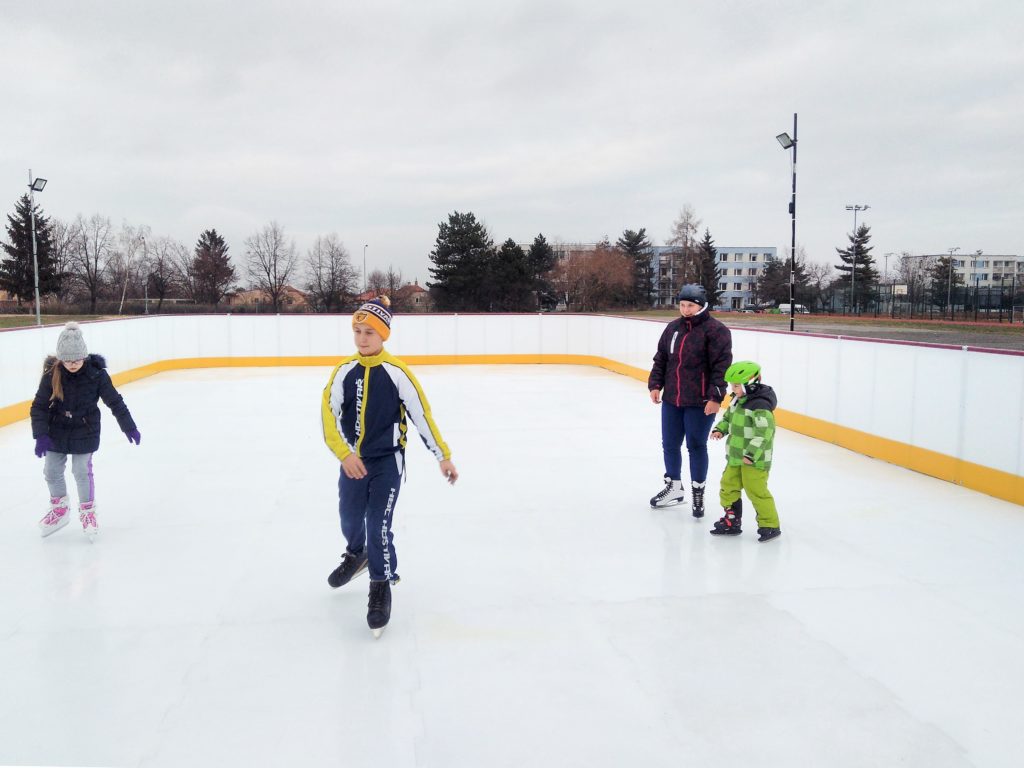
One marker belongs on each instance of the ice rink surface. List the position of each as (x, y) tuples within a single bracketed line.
[(546, 616)]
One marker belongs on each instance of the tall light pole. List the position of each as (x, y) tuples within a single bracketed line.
[(364, 267), (949, 280), (853, 264), (790, 143), (35, 185)]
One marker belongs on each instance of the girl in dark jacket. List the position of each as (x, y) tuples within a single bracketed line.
[(689, 366), (66, 421)]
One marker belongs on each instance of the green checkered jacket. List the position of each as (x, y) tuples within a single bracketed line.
[(749, 426)]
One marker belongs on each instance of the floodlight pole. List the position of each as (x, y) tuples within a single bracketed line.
[(792, 249), (790, 143), (35, 257)]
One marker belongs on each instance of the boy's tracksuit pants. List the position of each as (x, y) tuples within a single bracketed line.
[(366, 508)]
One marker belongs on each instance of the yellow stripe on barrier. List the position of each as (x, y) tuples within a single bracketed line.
[(993, 482)]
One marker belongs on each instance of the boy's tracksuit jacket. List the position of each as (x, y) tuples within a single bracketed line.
[(749, 426), (74, 422), (365, 404)]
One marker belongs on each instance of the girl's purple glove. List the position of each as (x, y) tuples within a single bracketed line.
[(43, 444), (134, 437)]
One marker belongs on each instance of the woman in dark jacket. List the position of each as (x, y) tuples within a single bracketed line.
[(66, 421), (689, 366)]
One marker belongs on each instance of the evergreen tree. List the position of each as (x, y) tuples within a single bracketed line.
[(462, 258), (541, 258), (857, 269), (637, 249), (511, 279), (213, 273), (707, 266), (942, 284), (17, 271), (773, 282)]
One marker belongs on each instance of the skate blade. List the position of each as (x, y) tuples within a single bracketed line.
[(670, 504)]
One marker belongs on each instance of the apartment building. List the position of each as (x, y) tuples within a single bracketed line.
[(738, 268)]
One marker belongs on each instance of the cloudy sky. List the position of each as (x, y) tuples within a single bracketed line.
[(574, 118)]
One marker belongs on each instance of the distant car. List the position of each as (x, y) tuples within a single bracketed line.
[(800, 309), (747, 311)]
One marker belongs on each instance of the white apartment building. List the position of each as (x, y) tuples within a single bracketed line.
[(986, 271), (738, 268)]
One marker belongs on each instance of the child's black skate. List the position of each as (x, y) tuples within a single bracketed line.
[(731, 522), (378, 610), (350, 567), (767, 534), (698, 499)]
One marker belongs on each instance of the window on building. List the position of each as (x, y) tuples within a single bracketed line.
[(752, 272), (753, 257), (737, 286), (723, 286), (723, 257)]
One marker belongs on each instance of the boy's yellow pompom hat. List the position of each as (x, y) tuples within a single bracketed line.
[(375, 313)]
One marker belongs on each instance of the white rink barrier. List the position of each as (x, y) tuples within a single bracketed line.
[(953, 413)]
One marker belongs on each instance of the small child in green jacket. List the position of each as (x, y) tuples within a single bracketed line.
[(750, 426)]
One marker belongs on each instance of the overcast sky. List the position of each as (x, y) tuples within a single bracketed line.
[(576, 119)]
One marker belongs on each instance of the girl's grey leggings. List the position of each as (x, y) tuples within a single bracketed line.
[(81, 468)]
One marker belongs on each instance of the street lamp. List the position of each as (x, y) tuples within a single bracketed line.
[(364, 267), (853, 264), (35, 185), (790, 143), (949, 280)]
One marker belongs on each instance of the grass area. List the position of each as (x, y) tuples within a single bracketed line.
[(807, 322), (22, 321)]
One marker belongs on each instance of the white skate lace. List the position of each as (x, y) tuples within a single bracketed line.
[(53, 516)]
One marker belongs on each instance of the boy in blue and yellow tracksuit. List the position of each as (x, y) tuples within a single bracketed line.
[(364, 409)]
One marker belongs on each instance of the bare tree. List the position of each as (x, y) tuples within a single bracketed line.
[(332, 279), (271, 261), (123, 266), (91, 252), (162, 258), (683, 237), (62, 243), (377, 282), (819, 276), (593, 280), (183, 271)]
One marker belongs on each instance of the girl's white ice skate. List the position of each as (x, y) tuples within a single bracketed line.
[(87, 516), (57, 517)]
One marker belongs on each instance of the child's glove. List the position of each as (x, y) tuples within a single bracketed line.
[(134, 437), (43, 444)]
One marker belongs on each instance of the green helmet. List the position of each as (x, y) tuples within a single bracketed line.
[(742, 372)]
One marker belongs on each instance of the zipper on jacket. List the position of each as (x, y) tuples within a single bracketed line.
[(361, 415), (679, 366)]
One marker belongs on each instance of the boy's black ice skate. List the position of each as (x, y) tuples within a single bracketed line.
[(378, 610), (698, 499), (350, 567), (767, 534), (670, 495), (731, 522)]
